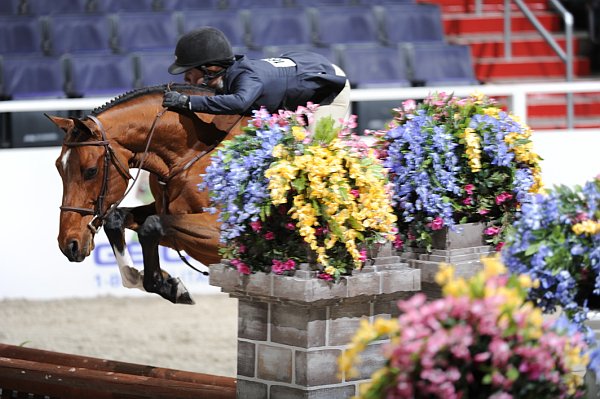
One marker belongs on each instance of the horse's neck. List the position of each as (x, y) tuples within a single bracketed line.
[(165, 143)]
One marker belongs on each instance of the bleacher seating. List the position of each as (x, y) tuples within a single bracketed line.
[(411, 23), (48, 7), (77, 33), (349, 24), (439, 63), (106, 47), (137, 31), (373, 66), (90, 75), (180, 5), (232, 22), (10, 7), (279, 26), (112, 6), (31, 76), (21, 34), (151, 68)]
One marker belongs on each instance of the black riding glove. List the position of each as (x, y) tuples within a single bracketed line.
[(173, 99)]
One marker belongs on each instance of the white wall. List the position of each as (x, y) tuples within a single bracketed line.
[(32, 266)]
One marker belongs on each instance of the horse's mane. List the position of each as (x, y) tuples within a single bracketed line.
[(149, 90)]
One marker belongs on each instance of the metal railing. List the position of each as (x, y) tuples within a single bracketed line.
[(516, 95), (565, 55)]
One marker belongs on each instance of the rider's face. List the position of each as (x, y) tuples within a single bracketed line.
[(195, 76)]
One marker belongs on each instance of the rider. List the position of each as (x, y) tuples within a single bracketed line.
[(243, 85)]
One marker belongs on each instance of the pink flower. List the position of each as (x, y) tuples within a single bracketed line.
[(256, 225), (581, 216), (483, 211), (355, 193), (319, 231), (492, 231), (241, 267), (437, 223), (398, 243), (500, 198), (409, 105), (325, 276), (269, 236), (469, 189), (499, 246), (468, 201), (290, 226), (363, 255)]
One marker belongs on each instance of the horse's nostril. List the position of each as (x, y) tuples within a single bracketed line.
[(73, 247)]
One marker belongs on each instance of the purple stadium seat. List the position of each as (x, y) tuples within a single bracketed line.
[(21, 34), (372, 65), (348, 24), (436, 63), (90, 75), (109, 6), (137, 31), (45, 7), (411, 23), (31, 76), (279, 26), (152, 68), (231, 22), (77, 33)]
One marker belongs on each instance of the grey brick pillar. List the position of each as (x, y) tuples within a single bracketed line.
[(462, 248), (292, 329)]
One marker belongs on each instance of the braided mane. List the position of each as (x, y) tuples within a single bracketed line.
[(149, 90)]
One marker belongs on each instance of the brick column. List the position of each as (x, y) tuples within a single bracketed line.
[(291, 330), (462, 248)]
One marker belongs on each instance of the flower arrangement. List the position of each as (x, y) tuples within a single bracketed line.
[(556, 240), (287, 195), (481, 340), (457, 161)]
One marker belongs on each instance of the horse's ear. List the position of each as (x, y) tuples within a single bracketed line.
[(65, 124)]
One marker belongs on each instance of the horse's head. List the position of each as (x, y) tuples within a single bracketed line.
[(90, 183)]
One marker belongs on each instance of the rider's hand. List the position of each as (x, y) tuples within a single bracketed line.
[(173, 99)]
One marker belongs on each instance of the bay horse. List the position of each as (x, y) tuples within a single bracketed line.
[(133, 130)]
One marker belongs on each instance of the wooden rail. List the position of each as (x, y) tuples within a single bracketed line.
[(45, 374)]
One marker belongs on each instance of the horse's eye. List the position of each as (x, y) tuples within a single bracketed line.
[(90, 173)]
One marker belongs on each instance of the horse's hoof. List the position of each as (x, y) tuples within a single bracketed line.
[(132, 278), (182, 295)]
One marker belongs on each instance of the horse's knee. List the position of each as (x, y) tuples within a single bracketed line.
[(115, 220), (151, 228)]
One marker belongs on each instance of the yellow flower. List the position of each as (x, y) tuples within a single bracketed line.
[(588, 227), (492, 266), (445, 274), (299, 133)]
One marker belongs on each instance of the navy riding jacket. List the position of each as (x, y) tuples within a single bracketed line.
[(287, 82)]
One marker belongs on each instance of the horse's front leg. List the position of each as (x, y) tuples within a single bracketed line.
[(114, 228), (156, 280)]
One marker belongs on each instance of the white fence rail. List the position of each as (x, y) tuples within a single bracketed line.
[(515, 93)]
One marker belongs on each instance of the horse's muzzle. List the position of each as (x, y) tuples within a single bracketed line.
[(74, 251)]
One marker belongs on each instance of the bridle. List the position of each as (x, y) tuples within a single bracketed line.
[(99, 215)]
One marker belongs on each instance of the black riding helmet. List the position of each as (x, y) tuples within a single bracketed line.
[(201, 47)]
